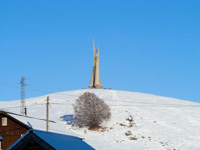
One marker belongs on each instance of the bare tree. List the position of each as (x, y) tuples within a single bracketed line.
[(90, 111)]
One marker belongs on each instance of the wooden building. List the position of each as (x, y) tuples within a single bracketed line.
[(11, 129)]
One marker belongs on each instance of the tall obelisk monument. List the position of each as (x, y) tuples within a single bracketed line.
[(95, 81)]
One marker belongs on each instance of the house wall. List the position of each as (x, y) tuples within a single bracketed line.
[(10, 133)]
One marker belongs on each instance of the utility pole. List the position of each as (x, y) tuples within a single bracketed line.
[(23, 108), (47, 108)]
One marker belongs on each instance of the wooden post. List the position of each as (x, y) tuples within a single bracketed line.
[(47, 113), (25, 110)]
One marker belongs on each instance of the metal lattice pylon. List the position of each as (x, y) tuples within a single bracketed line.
[(23, 102)]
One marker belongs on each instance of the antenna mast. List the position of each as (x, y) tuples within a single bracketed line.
[(23, 102)]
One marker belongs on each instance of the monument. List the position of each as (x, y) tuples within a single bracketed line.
[(95, 81)]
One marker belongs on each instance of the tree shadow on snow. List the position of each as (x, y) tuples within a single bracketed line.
[(68, 119)]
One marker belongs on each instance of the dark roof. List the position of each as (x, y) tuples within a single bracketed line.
[(53, 141)]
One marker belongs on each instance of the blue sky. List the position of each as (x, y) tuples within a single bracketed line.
[(148, 46)]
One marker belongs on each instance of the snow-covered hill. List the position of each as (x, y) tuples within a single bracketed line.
[(159, 122)]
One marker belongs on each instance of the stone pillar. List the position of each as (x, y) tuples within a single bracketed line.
[(95, 81)]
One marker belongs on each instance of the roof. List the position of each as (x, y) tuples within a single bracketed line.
[(55, 140), (38, 124)]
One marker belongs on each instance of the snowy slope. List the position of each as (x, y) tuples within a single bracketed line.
[(160, 122)]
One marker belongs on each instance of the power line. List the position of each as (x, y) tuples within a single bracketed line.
[(156, 105), (159, 105), (28, 116), (133, 102), (36, 90), (146, 106), (141, 105)]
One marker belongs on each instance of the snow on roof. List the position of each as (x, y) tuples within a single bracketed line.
[(61, 141), (58, 141), (38, 124)]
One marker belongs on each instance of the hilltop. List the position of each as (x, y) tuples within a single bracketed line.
[(159, 122)]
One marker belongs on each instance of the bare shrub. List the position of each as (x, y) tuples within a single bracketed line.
[(132, 138), (90, 111)]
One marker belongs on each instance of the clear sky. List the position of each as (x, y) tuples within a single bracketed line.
[(147, 46)]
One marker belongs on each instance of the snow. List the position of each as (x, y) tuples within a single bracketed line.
[(41, 125), (58, 141), (158, 122)]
